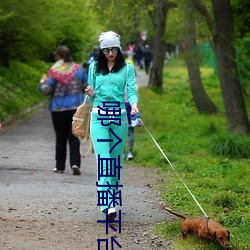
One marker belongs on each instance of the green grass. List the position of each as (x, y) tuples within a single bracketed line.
[(214, 164), (19, 88)]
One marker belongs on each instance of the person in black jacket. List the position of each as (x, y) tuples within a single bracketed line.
[(147, 54)]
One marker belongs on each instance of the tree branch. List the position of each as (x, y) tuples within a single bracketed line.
[(202, 9), (172, 5)]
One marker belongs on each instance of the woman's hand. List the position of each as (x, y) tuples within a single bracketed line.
[(43, 79), (90, 91), (134, 109)]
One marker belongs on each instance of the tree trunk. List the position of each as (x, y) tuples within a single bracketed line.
[(201, 99), (235, 109), (223, 38), (159, 47)]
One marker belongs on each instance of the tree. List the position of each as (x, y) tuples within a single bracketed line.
[(201, 99), (126, 17), (159, 46), (241, 17), (223, 38), (242, 33), (28, 33)]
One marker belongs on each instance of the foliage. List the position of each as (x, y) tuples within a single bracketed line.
[(243, 60), (220, 184), (126, 17), (19, 88), (242, 37), (175, 25), (230, 146), (27, 33), (241, 17)]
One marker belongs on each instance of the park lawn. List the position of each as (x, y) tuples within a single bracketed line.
[(193, 143)]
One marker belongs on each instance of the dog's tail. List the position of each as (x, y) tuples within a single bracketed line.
[(175, 213)]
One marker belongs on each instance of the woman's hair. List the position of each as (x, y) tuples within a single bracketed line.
[(102, 67), (63, 52)]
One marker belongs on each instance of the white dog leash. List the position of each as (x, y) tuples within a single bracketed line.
[(174, 170)]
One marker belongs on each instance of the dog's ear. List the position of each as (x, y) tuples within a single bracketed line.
[(228, 237), (214, 235)]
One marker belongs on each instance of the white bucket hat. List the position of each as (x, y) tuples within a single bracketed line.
[(109, 39)]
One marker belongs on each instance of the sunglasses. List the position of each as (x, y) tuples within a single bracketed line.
[(106, 51)]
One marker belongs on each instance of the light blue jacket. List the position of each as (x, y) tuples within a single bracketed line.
[(111, 87)]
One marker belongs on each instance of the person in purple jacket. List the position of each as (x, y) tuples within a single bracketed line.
[(65, 83)]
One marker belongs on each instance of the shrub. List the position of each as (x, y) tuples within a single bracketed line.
[(223, 200), (231, 146)]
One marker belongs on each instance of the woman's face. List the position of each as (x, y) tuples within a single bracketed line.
[(110, 53)]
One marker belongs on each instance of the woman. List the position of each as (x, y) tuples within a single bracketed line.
[(108, 78), (65, 83)]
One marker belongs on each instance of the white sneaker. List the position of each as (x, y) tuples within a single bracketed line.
[(129, 156), (58, 171), (111, 210), (112, 213)]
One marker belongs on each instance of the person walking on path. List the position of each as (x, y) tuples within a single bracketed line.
[(131, 129), (108, 78), (65, 84), (147, 54)]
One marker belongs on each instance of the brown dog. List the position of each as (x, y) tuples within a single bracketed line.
[(204, 229)]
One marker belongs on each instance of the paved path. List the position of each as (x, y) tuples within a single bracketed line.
[(26, 163), (29, 189), (141, 78)]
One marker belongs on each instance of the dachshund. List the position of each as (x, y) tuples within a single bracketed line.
[(204, 229)]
